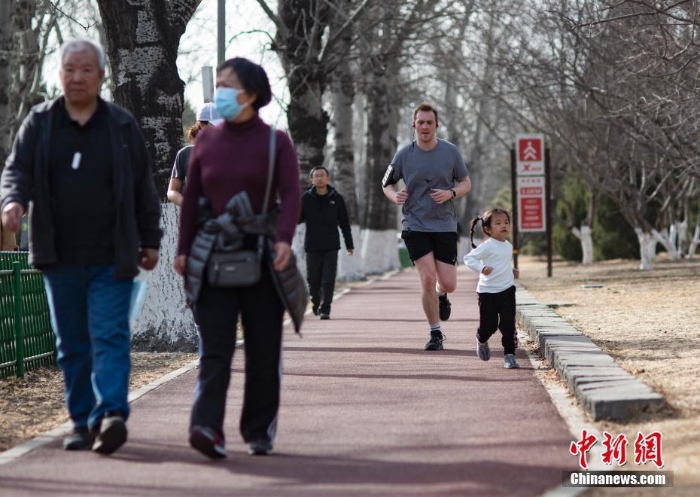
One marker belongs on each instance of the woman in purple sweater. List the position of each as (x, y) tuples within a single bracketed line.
[(227, 159)]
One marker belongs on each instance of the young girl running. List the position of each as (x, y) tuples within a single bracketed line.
[(496, 287)]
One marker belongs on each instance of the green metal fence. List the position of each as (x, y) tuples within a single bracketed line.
[(26, 338)]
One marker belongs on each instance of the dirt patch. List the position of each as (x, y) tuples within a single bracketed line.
[(34, 404), (648, 322)]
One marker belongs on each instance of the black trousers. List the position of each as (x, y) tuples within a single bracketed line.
[(321, 270), (497, 312), (262, 312)]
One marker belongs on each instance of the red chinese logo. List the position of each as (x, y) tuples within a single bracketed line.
[(615, 449), (646, 449), (581, 448)]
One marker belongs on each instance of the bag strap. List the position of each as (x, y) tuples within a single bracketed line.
[(271, 168), (268, 189)]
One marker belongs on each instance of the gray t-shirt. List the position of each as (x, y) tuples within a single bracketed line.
[(421, 171)]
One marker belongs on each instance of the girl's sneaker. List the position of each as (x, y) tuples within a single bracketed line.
[(482, 350), (509, 362)]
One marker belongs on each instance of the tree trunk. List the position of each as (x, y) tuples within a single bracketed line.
[(382, 124), (142, 44), (343, 93), (5, 79), (298, 44), (584, 236), (30, 55), (647, 249), (379, 248), (165, 323), (693, 246)]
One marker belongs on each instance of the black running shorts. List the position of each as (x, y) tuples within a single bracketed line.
[(442, 244)]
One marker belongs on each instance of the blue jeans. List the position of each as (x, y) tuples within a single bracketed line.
[(90, 317)]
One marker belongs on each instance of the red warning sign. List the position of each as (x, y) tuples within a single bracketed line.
[(530, 155), (531, 195)]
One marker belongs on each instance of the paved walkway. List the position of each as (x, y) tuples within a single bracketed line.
[(365, 412)]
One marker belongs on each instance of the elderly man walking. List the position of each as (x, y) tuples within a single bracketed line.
[(95, 217)]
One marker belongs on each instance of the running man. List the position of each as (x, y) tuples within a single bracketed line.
[(434, 174)]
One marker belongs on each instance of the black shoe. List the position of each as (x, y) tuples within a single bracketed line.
[(435, 342), (208, 442), (112, 434), (445, 307), (325, 315), (260, 447), (314, 309), (80, 439)]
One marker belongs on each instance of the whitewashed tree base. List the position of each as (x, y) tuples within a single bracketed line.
[(165, 323)]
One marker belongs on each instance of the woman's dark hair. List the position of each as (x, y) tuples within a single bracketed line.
[(253, 78), (485, 222)]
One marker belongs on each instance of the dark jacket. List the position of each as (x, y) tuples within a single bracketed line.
[(323, 217), (228, 230), (25, 179)]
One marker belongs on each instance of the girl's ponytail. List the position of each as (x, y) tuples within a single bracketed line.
[(471, 230)]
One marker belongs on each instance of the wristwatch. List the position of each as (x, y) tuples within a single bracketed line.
[(454, 193)]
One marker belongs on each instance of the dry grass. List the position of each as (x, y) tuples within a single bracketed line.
[(34, 404), (648, 322)]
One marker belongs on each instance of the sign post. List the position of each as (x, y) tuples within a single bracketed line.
[(530, 183)]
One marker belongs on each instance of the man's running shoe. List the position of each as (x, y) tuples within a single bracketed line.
[(445, 307), (482, 350), (509, 362), (435, 342)]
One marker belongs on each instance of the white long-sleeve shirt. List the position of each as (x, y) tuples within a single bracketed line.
[(499, 256)]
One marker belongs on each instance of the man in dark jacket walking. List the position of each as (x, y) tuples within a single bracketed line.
[(323, 210), (95, 218)]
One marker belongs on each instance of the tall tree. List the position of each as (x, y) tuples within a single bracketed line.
[(5, 78), (142, 44), (142, 38), (298, 43), (389, 27)]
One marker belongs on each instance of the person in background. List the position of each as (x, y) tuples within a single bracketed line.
[(227, 160), (206, 116), (434, 174), (95, 219), (323, 210), (492, 259)]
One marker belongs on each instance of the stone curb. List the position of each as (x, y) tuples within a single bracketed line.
[(603, 388)]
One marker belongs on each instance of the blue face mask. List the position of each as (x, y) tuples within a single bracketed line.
[(226, 102)]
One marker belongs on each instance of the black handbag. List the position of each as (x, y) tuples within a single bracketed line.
[(233, 269), (239, 268)]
